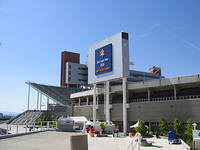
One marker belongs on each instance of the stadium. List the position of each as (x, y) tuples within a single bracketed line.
[(115, 93)]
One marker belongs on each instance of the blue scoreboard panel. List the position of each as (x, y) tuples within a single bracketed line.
[(103, 59)]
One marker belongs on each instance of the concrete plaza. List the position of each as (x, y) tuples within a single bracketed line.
[(52, 140)]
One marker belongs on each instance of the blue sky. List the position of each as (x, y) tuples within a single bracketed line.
[(34, 32)]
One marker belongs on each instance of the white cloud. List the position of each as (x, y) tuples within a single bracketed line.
[(151, 29), (189, 43)]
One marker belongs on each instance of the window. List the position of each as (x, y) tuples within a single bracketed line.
[(69, 72), (83, 74), (82, 80), (69, 78), (82, 68), (69, 66), (124, 35)]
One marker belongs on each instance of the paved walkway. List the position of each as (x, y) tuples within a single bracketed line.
[(52, 140)]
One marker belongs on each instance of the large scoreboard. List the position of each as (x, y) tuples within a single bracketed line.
[(109, 59)]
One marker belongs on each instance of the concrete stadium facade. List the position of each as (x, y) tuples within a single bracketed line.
[(148, 100)]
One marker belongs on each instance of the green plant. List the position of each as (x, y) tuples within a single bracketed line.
[(163, 126), (102, 126), (142, 129), (55, 118), (188, 132), (157, 134), (40, 120), (45, 119), (177, 127)]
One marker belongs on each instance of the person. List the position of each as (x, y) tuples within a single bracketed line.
[(120, 128), (91, 130), (115, 132)]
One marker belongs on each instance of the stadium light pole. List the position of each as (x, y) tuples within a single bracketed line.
[(47, 103), (40, 101), (38, 94), (28, 96)]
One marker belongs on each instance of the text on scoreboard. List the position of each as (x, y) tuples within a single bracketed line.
[(103, 59)]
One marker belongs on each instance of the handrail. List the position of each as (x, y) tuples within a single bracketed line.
[(131, 146), (137, 142), (44, 125), (171, 98), (167, 98), (185, 146)]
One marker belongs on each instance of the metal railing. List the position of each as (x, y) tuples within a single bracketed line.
[(132, 145), (31, 127), (135, 143), (171, 98), (166, 98), (185, 146)]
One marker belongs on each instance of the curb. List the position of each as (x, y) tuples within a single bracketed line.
[(21, 134)]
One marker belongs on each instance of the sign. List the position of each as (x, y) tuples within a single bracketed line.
[(103, 59), (109, 59), (196, 134)]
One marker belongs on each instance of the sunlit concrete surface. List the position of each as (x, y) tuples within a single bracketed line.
[(52, 140), (123, 143), (163, 144)]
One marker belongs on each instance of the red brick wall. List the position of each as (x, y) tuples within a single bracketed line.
[(67, 57)]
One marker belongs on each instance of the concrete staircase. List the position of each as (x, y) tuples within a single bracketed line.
[(27, 117)]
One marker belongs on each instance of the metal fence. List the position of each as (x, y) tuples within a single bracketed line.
[(166, 98), (31, 127)]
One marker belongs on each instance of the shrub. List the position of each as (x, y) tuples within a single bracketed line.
[(102, 126), (177, 127), (142, 129), (163, 126), (188, 132)]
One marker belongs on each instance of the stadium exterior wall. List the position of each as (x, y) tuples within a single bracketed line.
[(147, 111)]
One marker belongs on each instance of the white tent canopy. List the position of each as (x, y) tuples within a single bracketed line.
[(80, 119), (135, 125), (89, 123)]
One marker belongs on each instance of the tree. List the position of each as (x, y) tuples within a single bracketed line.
[(163, 126), (142, 129), (177, 127), (188, 132)]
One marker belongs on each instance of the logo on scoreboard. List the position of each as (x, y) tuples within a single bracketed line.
[(103, 59)]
